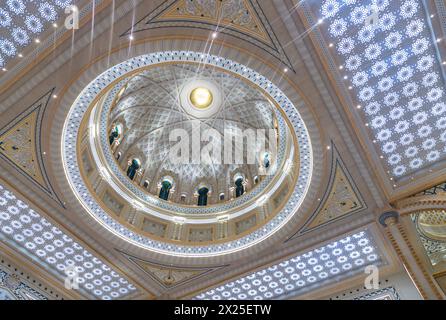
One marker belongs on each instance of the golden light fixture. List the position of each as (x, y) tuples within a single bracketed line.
[(201, 98)]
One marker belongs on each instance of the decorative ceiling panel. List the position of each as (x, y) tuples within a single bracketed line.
[(385, 57), (342, 197), (28, 232), (22, 21), (244, 19), (20, 144), (305, 272)]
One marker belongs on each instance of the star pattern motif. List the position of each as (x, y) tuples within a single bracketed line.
[(389, 61)]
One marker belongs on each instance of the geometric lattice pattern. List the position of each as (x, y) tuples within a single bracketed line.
[(12, 288), (149, 110), (388, 58), (305, 272), (21, 21), (29, 232)]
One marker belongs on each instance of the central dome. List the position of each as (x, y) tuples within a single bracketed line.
[(202, 108)]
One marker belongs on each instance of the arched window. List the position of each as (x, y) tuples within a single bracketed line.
[(222, 196), (203, 196), (166, 185), (239, 187), (256, 179), (266, 160), (146, 184), (115, 133), (134, 166)]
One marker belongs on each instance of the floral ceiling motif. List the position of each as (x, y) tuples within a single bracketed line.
[(388, 61), (24, 229), (22, 21), (303, 272)]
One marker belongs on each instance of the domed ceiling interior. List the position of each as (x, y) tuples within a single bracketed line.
[(335, 165), (151, 107)]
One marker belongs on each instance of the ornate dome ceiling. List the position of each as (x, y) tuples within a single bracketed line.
[(199, 101), (106, 133), (123, 170)]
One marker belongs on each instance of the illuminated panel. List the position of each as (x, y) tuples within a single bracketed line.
[(386, 58), (22, 21), (333, 262), (27, 231)]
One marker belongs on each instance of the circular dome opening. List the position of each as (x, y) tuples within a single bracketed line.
[(201, 98)]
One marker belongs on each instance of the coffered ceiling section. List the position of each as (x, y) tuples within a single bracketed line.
[(22, 21), (387, 62)]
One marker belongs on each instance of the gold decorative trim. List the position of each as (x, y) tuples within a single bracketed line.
[(245, 20), (421, 203)]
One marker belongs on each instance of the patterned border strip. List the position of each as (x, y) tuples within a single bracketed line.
[(118, 172)]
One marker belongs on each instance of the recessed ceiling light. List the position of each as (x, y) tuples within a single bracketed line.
[(4, 69), (358, 106), (54, 96), (55, 25), (131, 37), (20, 55), (214, 35), (331, 45), (285, 70), (328, 147), (341, 67), (37, 40), (438, 40), (432, 15)]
